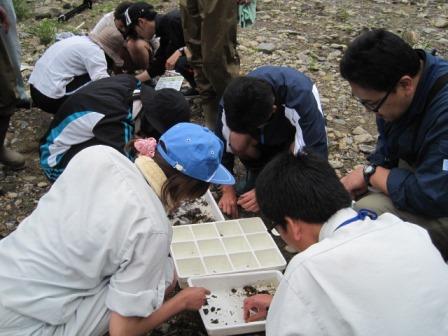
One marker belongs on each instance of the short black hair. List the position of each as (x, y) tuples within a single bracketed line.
[(302, 187), (248, 103), (136, 11), (377, 59), (119, 11)]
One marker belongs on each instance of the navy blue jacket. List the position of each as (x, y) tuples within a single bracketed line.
[(419, 137), (299, 119)]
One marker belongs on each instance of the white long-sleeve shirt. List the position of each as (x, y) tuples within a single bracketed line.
[(100, 225), (371, 277), (64, 60)]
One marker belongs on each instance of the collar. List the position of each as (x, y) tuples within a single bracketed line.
[(334, 221), (152, 173)]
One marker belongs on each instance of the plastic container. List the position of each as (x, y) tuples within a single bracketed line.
[(242, 245), (226, 298)]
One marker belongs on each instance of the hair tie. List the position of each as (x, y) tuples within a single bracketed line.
[(146, 147)]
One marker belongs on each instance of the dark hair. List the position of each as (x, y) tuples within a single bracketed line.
[(178, 187), (248, 103), (119, 11), (136, 11), (302, 187), (377, 59)]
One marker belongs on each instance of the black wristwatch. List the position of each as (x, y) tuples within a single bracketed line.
[(368, 171)]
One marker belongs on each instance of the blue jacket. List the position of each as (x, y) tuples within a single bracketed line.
[(301, 119), (419, 137)]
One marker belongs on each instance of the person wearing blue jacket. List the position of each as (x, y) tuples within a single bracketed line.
[(270, 110), (408, 92)]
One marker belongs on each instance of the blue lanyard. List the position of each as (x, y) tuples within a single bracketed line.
[(361, 215)]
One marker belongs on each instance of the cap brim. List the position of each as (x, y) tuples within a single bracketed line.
[(222, 176)]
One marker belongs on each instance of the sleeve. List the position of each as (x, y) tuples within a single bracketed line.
[(114, 130), (305, 113), (96, 64), (137, 288), (424, 191), (228, 159), (378, 157), (290, 313)]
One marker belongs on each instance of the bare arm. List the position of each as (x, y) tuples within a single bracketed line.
[(188, 299)]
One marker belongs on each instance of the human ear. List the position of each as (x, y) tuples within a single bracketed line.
[(406, 83), (294, 228)]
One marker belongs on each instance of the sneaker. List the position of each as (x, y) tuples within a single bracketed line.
[(11, 158)]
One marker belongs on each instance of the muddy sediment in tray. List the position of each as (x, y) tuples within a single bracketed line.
[(192, 212)]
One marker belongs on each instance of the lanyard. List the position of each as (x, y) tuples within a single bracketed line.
[(361, 215)]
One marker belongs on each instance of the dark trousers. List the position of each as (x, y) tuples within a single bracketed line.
[(52, 105)]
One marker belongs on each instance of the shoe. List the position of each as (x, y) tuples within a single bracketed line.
[(11, 159), (24, 103)]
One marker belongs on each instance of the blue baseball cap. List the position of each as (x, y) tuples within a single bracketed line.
[(195, 151)]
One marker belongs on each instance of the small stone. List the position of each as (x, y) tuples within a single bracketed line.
[(42, 184), (12, 195), (359, 130), (366, 149), (441, 23), (267, 48), (10, 225), (336, 164), (363, 138)]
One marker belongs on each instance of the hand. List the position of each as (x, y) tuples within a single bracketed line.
[(228, 200), (248, 201), (172, 60), (192, 298), (4, 20), (354, 182), (256, 307)]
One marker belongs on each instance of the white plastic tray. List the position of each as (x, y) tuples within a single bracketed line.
[(231, 246), (223, 314)]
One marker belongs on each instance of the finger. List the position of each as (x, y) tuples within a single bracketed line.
[(234, 212), (206, 291), (256, 317)]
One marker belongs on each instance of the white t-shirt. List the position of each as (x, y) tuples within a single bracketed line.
[(70, 57), (100, 225), (381, 277)]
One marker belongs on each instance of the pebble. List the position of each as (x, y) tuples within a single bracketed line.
[(42, 184), (267, 48), (363, 138), (441, 23), (359, 130)]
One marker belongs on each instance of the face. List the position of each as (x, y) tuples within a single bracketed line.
[(145, 28), (120, 26), (388, 105)]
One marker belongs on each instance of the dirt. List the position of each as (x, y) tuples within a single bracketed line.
[(307, 35)]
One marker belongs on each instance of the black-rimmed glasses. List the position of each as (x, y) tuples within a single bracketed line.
[(375, 108)]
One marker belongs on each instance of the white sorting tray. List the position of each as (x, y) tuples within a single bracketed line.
[(227, 315), (230, 246)]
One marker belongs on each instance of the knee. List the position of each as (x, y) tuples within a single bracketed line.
[(376, 201)]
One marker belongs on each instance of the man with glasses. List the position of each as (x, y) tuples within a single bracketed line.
[(272, 109), (406, 90)]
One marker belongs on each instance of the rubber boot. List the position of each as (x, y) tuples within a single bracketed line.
[(210, 111), (9, 157)]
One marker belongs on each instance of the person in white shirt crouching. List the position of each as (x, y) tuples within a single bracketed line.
[(357, 274)]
